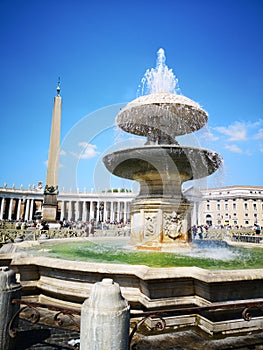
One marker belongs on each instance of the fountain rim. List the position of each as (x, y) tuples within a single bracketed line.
[(142, 271), (163, 146), (161, 96)]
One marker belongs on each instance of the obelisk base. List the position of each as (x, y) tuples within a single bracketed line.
[(49, 213), (50, 205)]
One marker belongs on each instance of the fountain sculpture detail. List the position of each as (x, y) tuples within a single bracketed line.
[(160, 214)]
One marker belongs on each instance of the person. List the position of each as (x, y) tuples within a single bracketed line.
[(257, 231), (87, 229), (200, 232), (194, 231)]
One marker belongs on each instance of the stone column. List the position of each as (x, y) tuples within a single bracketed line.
[(105, 212), (91, 215), (84, 211), (31, 209), (105, 318), (2, 209), (18, 209), (199, 214), (70, 210), (111, 212), (118, 211), (125, 212), (98, 211), (10, 209), (27, 210), (9, 289), (62, 214), (194, 214), (77, 211)]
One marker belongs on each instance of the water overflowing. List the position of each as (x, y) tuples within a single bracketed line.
[(161, 165), (160, 78)]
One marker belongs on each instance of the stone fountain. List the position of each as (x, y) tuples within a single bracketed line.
[(160, 217), (160, 214)]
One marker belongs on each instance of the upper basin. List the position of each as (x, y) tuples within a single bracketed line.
[(167, 113)]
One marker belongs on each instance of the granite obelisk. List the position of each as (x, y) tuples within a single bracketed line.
[(50, 205)]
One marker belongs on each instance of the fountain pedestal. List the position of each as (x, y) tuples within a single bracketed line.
[(156, 222)]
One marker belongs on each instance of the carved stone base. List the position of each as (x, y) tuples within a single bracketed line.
[(156, 222), (49, 213), (50, 208)]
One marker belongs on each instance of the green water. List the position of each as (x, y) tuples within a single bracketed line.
[(243, 258)]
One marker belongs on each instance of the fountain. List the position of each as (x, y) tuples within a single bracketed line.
[(211, 300), (160, 214)]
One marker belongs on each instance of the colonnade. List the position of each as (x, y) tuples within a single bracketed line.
[(95, 209), (19, 208), (26, 205)]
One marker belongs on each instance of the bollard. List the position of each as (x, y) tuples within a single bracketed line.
[(9, 289), (105, 318)]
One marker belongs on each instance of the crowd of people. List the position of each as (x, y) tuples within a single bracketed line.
[(88, 227), (121, 228), (201, 231)]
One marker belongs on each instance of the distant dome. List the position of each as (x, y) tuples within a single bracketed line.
[(172, 114)]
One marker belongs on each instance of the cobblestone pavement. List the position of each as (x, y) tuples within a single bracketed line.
[(189, 340), (44, 337)]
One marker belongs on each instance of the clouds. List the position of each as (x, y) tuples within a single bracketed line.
[(234, 132), (86, 151), (239, 137), (259, 134), (233, 148)]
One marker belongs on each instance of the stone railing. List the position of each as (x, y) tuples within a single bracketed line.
[(235, 235), (11, 235)]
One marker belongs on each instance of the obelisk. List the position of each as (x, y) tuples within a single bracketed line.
[(50, 204)]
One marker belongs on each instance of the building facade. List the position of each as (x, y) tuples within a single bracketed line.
[(233, 206)]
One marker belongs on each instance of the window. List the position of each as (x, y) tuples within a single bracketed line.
[(208, 207), (218, 206), (254, 206), (234, 206), (226, 206), (245, 206)]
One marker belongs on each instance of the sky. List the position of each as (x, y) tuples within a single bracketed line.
[(101, 50)]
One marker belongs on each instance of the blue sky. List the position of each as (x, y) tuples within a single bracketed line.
[(101, 51)]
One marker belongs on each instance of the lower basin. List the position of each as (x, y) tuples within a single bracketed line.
[(188, 162), (68, 282), (208, 254)]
